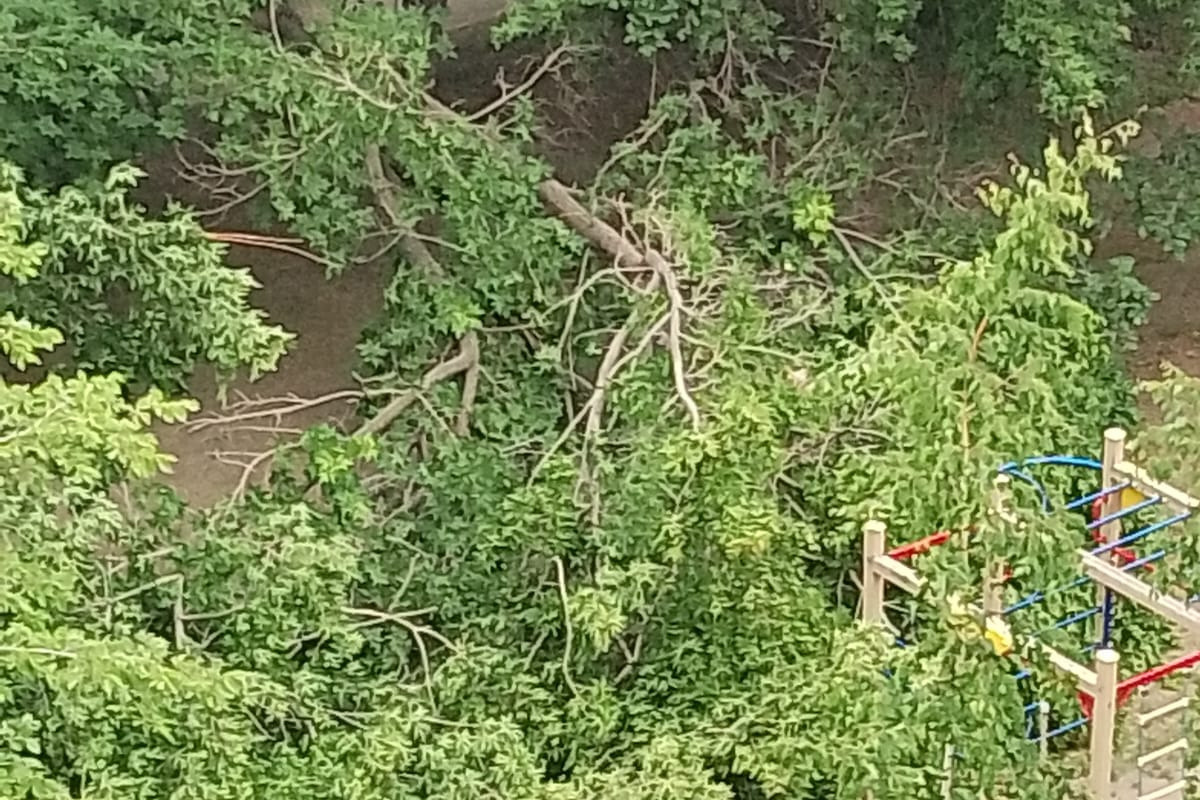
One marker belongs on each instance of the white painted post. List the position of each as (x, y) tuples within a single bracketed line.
[(1104, 719), (874, 544), (1044, 728)]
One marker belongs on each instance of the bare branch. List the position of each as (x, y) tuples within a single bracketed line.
[(268, 243), (275, 37), (248, 467), (560, 571), (162, 580), (385, 198), (419, 632), (507, 95), (462, 425), (277, 408), (468, 356), (674, 332)]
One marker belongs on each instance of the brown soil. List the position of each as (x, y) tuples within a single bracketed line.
[(327, 316), (1172, 333)]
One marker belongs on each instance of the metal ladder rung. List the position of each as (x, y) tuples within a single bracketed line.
[(1162, 711), (1166, 750), (1166, 791)]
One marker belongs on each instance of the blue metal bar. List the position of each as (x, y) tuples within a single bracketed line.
[(1149, 502), (1059, 731), (1143, 561), (1094, 496), (1022, 675), (1038, 596), (1071, 620), (1063, 461), (1033, 706), (1144, 532), (1025, 602), (1011, 469)]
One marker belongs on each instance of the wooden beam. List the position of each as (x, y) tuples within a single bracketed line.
[(1170, 708), (1176, 499), (1166, 791), (1141, 592), (898, 573), (873, 584), (1162, 752), (1085, 678)]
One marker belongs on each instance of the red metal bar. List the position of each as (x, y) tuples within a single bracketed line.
[(1127, 687), (907, 551)]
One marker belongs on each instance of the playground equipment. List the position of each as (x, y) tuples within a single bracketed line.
[(1111, 566), (1150, 721)]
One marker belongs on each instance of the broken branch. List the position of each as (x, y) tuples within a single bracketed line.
[(467, 357)]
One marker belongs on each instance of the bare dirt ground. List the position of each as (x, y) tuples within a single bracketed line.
[(327, 315)]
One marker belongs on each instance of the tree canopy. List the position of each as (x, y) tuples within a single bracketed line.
[(595, 533)]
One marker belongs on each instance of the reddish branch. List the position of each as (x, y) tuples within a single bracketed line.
[(266, 242)]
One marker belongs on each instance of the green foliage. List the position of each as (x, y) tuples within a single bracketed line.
[(1073, 56), (148, 298), (1114, 291), (605, 562), (86, 83), (712, 27), (1162, 191)]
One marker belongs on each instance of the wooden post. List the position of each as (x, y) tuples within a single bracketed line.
[(1114, 453), (1104, 718), (993, 575), (947, 771), (874, 544)]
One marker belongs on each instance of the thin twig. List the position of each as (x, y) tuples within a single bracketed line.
[(275, 37), (289, 404), (212, 615), (418, 633), (671, 284), (631, 658), (225, 237), (570, 634), (883, 294), (162, 580)]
